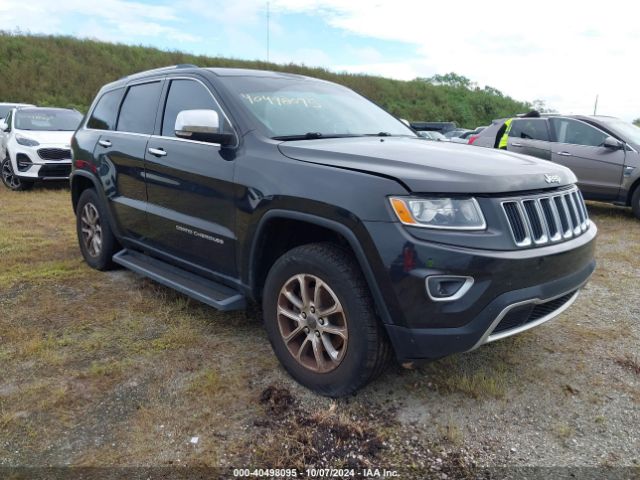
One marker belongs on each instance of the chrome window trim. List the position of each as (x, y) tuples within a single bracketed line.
[(178, 139)]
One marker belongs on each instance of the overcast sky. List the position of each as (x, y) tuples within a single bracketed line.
[(563, 52)]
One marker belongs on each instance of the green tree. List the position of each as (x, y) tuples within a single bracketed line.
[(68, 72)]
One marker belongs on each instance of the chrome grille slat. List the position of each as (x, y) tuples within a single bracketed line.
[(575, 218), (541, 219)]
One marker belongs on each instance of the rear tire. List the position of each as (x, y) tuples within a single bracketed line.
[(96, 239), (10, 180), (333, 354), (635, 202)]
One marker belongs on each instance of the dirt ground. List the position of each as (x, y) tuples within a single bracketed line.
[(109, 369)]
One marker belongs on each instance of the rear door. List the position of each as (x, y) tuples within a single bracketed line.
[(121, 154), (530, 136), (578, 146), (190, 187)]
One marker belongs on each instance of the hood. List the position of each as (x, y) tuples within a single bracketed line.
[(434, 167), (47, 137)]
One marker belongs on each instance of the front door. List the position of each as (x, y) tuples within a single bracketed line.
[(579, 147), (190, 190)]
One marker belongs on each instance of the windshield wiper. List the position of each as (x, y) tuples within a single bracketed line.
[(313, 136), (379, 134)]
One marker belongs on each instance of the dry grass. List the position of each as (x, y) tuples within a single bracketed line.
[(108, 368)]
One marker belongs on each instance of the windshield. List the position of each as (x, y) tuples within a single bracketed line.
[(47, 119), (628, 131), (298, 107)]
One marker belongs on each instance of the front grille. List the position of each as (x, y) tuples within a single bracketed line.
[(54, 153), (547, 218), (54, 171), (530, 313)]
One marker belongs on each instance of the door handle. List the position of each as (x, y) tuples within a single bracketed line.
[(514, 144), (565, 154), (105, 143), (158, 152)]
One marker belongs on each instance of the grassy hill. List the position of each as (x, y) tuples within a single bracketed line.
[(67, 72)]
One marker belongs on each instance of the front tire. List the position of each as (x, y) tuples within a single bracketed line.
[(321, 322), (635, 202), (96, 239), (9, 178)]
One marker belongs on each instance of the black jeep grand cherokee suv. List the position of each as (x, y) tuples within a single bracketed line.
[(358, 236)]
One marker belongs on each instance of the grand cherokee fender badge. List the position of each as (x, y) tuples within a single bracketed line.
[(552, 178)]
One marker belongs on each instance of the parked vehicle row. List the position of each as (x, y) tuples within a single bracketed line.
[(602, 151), (358, 237), (35, 145)]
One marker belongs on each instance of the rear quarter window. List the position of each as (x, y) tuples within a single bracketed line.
[(104, 115)]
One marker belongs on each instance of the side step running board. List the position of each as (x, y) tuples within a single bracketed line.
[(207, 291)]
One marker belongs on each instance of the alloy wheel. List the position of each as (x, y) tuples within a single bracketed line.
[(8, 177), (91, 229), (312, 323)]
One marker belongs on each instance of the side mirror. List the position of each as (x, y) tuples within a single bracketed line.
[(3, 126), (201, 125), (612, 143)]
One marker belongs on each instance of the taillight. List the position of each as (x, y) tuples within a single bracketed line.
[(472, 139)]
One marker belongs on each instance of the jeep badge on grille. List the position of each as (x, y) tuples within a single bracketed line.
[(552, 178)]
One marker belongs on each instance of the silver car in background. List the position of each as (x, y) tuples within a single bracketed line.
[(602, 151)]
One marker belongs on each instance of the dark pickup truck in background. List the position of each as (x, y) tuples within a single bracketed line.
[(358, 237)]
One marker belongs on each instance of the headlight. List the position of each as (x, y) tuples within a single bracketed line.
[(437, 212), (27, 142)]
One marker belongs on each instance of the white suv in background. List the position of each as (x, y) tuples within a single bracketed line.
[(5, 108), (37, 145)]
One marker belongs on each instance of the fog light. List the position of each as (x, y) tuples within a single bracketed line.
[(447, 288), (24, 162)]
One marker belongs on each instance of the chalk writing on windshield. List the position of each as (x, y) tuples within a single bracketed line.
[(281, 100)]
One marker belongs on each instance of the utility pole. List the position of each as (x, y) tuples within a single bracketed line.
[(268, 20), (595, 107)]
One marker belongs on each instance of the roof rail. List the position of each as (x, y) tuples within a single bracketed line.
[(160, 70)]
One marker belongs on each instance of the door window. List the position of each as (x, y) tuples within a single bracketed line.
[(138, 111), (104, 115), (577, 133), (186, 95), (530, 129)]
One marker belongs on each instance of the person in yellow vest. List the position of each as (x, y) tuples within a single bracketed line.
[(505, 136), (504, 140)]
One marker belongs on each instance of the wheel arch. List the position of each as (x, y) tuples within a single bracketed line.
[(80, 181), (321, 229), (632, 189)]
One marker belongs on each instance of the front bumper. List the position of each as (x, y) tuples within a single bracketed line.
[(512, 292), (28, 163)]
